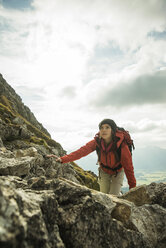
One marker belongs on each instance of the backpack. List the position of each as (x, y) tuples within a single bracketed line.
[(127, 140)]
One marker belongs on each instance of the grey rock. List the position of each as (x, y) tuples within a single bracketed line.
[(61, 213), (157, 193), (6, 154), (1, 143), (15, 167), (18, 120), (24, 219), (31, 152), (150, 221), (21, 162), (55, 151), (151, 194), (54, 169), (24, 133), (14, 181), (8, 132), (29, 163)]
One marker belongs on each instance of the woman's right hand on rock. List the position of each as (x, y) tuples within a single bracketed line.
[(58, 159)]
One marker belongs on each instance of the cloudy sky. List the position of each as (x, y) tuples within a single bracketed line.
[(77, 62)]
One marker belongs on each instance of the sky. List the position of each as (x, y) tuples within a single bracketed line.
[(77, 62)]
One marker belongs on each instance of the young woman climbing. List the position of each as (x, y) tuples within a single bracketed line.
[(114, 157)]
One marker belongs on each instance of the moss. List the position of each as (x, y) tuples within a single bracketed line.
[(39, 141), (6, 102), (7, 120), (6, 111), (86, 177)]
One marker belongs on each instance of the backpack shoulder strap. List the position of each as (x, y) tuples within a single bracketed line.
[(127, 139), (98, 148)]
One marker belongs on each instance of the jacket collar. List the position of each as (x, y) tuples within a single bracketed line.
[(118, 134)]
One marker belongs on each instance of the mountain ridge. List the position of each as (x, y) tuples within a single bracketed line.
[(19, 129), (6, 93)]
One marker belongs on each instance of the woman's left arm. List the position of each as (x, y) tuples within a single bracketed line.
[(126, 161)]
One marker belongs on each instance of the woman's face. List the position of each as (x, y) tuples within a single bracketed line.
[(106, 132)]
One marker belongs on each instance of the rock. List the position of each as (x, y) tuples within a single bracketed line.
[(15, 181), (29, 163), (122, 211), (55, 151), (38, 183), (2, 149), (157, 193), (24, 133), (153, 193), (18, 120), (142, 219), (31, 152), (54, 169), (21, 163), (1, 143), (15, 167), (61, 213), (24, 221), (8, 132), (138, 195), (150, 221), (6, 153)]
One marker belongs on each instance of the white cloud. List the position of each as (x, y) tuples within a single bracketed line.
[(146, 89), (83, 49)]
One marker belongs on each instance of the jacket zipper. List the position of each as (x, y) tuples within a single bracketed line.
[(106, 157)]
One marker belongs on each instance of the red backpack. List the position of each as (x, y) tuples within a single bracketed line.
[(127, 139)]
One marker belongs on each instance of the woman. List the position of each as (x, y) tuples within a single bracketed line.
[(114, 157)]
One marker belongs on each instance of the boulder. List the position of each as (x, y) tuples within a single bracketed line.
[(151, 194), (15, 167), (31, 152)]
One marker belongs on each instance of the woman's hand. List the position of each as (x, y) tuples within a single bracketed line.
[(58, 159)]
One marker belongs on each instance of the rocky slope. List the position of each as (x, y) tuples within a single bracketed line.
[(24, 142), (46, 204)]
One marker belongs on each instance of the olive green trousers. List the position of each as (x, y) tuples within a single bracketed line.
[(110, 184)]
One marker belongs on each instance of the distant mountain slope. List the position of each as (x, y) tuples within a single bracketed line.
[(150, 159)]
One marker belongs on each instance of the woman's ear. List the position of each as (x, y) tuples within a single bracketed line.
[(99, 135)]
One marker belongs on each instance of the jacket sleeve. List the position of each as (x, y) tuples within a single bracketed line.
[(83, 151), (126, 161)]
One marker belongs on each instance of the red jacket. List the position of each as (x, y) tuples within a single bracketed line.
[(107, 157)]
